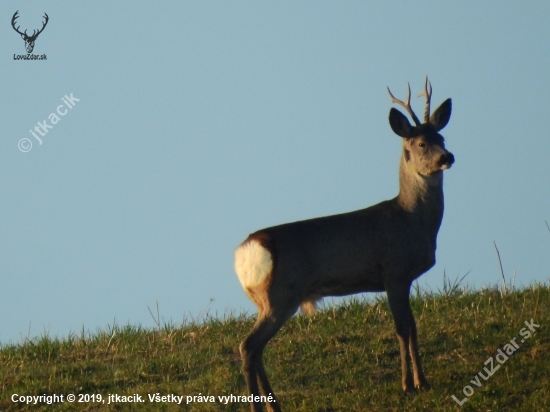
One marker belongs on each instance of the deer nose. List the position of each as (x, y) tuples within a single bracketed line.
[(447, 159)]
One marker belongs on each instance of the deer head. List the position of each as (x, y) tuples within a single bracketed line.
[(29, 40), (423, 146)]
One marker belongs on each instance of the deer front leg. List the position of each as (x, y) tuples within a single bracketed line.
[(419, 378), (398, 299)]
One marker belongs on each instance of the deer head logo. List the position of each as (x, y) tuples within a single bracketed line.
[(29, 40)]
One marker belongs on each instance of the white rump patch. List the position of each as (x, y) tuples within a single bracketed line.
[(253, 263)]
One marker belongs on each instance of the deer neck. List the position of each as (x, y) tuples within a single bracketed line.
[(421, 196)]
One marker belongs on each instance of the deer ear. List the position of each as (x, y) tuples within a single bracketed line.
[(400, 124), (441, 116)]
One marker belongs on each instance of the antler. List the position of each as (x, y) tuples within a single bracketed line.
[(43, 27), (34, 33), (406, 105), (428, 94), (15, 16)]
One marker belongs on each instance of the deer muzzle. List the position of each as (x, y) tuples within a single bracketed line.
[(446, 160)]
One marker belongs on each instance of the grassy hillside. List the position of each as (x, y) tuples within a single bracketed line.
[(342, 359)]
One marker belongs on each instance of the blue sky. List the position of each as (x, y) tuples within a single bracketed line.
[(201, 122)]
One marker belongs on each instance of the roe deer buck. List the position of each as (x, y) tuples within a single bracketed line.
[(381, 248)]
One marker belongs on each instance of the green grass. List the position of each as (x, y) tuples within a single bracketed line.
[(344, 358)]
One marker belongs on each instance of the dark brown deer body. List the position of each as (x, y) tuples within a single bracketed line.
[(380, 248)]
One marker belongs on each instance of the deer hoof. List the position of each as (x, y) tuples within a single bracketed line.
[(409, 390), (423, 385)]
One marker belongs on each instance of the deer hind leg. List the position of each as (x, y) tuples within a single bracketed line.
[(252, 348), (398, 299), (420, 380)]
